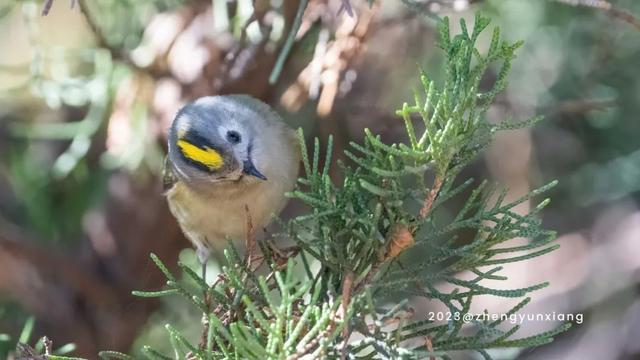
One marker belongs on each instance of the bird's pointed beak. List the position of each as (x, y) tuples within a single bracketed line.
[(249, 169)]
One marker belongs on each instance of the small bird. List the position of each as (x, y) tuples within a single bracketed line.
[(227, 153)]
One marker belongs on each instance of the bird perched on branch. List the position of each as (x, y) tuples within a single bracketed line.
[(227, 153)]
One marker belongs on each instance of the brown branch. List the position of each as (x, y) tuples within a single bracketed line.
[(580, 107), (47, 262), (625, 16), (431, 198), (606, 6), (347, 288), (56, 289)]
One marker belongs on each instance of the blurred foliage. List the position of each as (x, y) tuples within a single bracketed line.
[(578, 72)]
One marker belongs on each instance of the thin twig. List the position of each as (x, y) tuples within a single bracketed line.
[(116, 53), (48, 344), (46, 7), (394, 320), (250, 240), (346, 6), (95, 28), (430, 347), (241, 56)]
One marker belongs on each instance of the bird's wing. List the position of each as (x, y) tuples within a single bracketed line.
[(169, 178)]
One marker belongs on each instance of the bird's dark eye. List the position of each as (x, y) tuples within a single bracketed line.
[(233, 137)]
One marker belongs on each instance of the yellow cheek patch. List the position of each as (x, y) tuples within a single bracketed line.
[(207, 157)]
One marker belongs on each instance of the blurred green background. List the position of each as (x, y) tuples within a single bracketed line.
[(88, 91)]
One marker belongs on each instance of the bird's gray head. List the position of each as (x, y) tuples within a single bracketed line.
[(212, 139)]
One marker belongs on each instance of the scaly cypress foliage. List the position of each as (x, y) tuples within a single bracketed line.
[(351, 245)]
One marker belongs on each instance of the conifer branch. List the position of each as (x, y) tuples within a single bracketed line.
[(353, 241)]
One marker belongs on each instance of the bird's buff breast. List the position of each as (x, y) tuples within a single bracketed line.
[(209, 219)]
